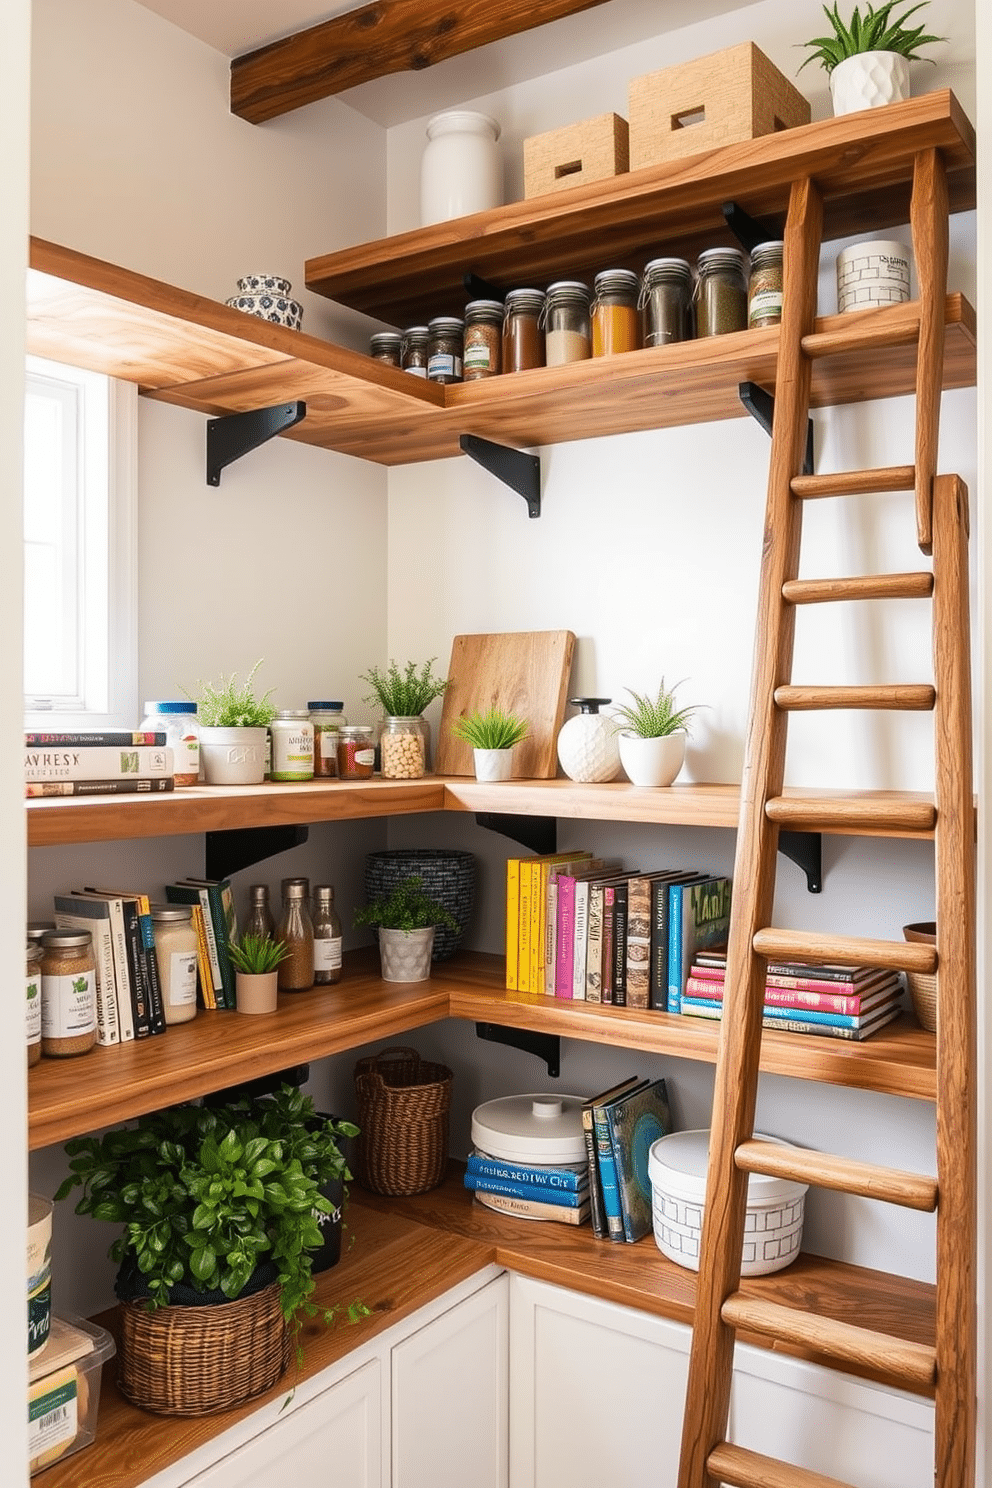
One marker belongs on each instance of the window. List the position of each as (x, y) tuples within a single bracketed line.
[(80, 613)]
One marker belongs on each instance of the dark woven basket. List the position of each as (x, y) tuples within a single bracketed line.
[(189, 1361), (447, 876), (403, 1105)]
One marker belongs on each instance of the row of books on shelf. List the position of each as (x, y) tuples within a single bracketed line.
[(113, 762), (847, 1002), (588, 929), (129, 999), (610, 1188)]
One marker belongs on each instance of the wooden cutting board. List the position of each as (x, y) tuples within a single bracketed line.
[(524, 672)]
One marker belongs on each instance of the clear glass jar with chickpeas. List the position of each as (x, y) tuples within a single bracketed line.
[(403, 748)]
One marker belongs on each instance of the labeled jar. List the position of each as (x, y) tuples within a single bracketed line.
[(182, 735), (483, 339), (327, 718), (523, 339), (616, 320), (32, 992), (445, 348), (356, 752), (567, 332), (295, 931), (403, 748), (175, 953), (666, 299), (68, 993), (721, 292), (292, 745), (387, 346), (415, 343), (764, 294), (327, 939)]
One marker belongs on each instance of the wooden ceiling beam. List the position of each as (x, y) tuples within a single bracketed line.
[(385, 37)]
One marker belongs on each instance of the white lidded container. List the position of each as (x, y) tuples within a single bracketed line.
[(531, 1129), (773, 1230)]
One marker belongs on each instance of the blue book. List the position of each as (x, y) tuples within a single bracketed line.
[(636, 1120), (612, 1208), (568, 1178), (560, 1196), (698, 917)]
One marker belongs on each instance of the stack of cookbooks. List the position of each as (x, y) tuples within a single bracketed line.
[(111, 763), (846, 1002), (530, 1191)]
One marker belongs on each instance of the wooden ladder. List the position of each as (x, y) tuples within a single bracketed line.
[(722, 1306)]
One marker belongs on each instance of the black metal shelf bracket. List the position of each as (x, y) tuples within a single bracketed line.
[(749, 231), (761, 406), (237, 434), (242, 847), (538, 833), (520, 471), (546, 1046), (805, 849)]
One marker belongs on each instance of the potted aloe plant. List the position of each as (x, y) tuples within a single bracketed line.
[(867, 57), (492, 735), (256, 961), (652, 733), (404, 746), (405, 919), (233, 726)]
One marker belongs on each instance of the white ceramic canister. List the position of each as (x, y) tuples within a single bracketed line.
[(460, 169), (872, 274), (588, 748), (39, 1271), (534, 1129)]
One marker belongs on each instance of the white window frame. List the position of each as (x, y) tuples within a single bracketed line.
[(105, 488)]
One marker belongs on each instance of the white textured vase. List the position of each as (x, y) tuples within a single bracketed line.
[(493, 764), (587, 744), (652, 762), (405, 955), (460, 169), (233, 756), (869, 80)]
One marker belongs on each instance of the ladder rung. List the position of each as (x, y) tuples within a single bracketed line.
[(901, 696), (914, 1365), (741, 1468), (876, 331), (854, 482), (845, 950), (864, 586), (823, 813), (824, 1170)]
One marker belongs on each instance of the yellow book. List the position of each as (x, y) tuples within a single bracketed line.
[(512, 923), (534, 925), (523, 938), (207, 993)]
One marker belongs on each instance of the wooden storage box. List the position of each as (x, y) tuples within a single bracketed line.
[(590, 151), (733, 95)]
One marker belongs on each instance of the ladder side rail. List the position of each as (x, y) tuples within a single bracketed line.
[(711, 1358), (929, 210), (954, 841)]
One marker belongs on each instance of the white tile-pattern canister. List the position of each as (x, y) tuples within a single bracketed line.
[(460, 169), (872, 274)]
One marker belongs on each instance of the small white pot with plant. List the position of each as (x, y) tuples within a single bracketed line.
[(233, 730), (404, 745), (652, 735), (867, 58), (492, 735), (256, 961), (404, 920)]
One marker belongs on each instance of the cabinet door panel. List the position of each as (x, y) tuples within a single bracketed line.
[(449, 1397)]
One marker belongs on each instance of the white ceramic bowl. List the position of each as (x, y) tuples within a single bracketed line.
[(264, 284), (273, 307)]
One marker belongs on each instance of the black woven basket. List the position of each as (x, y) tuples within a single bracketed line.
[(447, 876)]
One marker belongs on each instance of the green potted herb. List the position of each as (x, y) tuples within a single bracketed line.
[(233, 726), (867, 57), (256, 961), (652, 734), (403, 696), (492, 736), (405, 919)]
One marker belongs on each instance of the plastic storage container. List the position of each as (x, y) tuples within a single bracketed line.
[(531, 1129), (182, 735), (64, 1391), (773, 1230)]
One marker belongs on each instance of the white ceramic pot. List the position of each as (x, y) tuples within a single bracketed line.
[(872, 274), (493, 764), (233, 756), (652, 762), (869, 80), (256, 992), (460, 170), (406, 954)]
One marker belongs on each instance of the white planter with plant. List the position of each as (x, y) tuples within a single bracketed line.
[(404, 746), (233, 730), (256, 961), (492, 735), (405, 920), (867, 58), (652, 736)]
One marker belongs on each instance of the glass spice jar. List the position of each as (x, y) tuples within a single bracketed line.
[(616, 320), (567, 332), (415, 342), (327, 719), (387, 346), (32, 993), (523, 342), (483, 328), (721, 292), (68, 993), (666, 298), (445, 349), (292, 745), (296, 934), (175, 953), (356, 752), (403, 748), (764, 295), (326, 937), (259, 920)]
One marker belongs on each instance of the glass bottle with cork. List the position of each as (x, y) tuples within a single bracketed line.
[(296, 934), (327, 938)]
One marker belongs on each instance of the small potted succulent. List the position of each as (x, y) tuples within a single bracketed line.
[(233, 726), (256, 961), (403, 695), (867, 58), (492, 736), (652, 733), (404, 919)]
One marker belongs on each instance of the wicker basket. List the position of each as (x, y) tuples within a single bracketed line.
[(189, 1361), (923, 985), (403, 1104), (447, 875)]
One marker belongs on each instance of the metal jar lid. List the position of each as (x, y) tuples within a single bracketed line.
[(442, 323), (524, 302), (667, 271), (488, 312), (172, 912), (385, 341), (615, 282), (323, 706), (763, 254), (64, 939), (712, 260), (531, 1128), (292, 713)]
